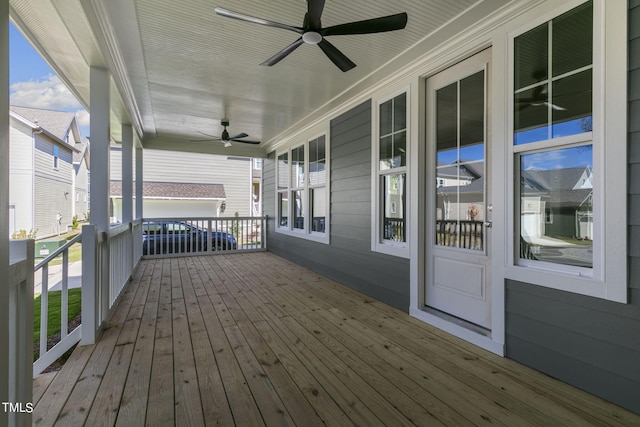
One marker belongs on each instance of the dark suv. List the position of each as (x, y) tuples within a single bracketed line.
[(167, 237)]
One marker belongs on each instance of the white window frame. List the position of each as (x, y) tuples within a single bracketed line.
[(608, 277), (56, 157), (306, 232), (378, 243)]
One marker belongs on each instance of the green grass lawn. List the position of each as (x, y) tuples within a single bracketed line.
[(55, 312)]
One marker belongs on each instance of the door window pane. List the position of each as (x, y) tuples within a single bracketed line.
[(556, 206), (460, 169), (447, 118), (472, 110)]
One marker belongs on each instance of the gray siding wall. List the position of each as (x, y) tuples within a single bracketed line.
[(588, 342), (53, 188), (348, 259)]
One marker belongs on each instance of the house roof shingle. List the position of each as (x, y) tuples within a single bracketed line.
[(55, 122), (174, 190)]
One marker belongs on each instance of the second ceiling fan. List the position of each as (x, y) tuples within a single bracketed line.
[(312, 31), (225, 138)]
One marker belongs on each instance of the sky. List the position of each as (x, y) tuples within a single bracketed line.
[(32, 83)]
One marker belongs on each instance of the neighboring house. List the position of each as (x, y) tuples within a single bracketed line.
[(171, 199), (190, 184), (558, 203), (42, 174)]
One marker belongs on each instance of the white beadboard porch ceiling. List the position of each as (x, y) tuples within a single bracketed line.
[(178, 68)]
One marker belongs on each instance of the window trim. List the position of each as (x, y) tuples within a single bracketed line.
[(306, 232), (56, 157), (378, 244), (608, 277)]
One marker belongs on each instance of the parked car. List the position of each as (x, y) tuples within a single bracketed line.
[(166, 237)]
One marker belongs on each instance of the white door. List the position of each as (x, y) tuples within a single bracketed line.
[(458, 206)]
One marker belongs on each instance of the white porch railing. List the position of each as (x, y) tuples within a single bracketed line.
[(20, 329), (110, 259), (186, 236), (67, 339)]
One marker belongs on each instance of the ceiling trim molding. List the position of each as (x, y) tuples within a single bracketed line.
[(174, 144), (98, 17)]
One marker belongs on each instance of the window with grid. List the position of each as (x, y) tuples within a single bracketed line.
[(390, 175), (302, 176)]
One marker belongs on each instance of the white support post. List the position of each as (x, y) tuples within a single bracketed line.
[(100, 183), (90, 296), (127, 174), (139, 181), (4, 203)]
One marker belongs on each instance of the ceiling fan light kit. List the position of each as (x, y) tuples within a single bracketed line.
[(313, 33)]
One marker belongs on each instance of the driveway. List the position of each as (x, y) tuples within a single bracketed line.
[(55, 277)]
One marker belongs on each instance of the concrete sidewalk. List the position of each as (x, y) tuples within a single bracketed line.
[(55, 277)]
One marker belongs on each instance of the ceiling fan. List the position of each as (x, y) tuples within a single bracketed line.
[(312, 31), (540, 98), (225, 138)]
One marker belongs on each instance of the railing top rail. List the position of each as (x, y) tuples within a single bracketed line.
[(205, 218), (119, 229), (58, 251)]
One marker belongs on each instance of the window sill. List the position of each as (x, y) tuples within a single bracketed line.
[(568, 281), (301, 234), (399, 250)]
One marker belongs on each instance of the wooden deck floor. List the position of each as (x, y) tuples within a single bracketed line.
[(252, 339)]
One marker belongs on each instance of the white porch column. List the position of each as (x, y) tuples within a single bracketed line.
[(95, 251), (127, 174), (4, 207), (100, 139), (139, 181)]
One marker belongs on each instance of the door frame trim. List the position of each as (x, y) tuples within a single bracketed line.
[(480, 309), (493, 340)]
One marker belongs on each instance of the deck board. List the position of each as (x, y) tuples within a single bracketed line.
[(253, 339)]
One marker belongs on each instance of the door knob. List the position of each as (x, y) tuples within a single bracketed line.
[(488, 224)]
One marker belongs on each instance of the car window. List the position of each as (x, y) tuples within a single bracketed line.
[(151, 228), (173, 228)]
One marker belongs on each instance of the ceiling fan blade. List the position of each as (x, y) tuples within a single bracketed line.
[(283, 53), (238, 136), (314, 12), (247, 18), (337, 57), (368, 26)]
